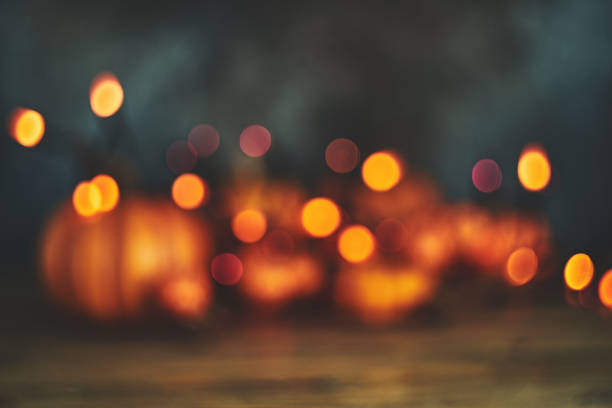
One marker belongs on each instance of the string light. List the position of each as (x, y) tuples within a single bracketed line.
[(27, 127), (381, 171), (106, 95)]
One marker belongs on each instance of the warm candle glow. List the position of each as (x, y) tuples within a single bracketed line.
[(106, 95), (381, 171), (27, 127), (320, 217), (188, 191), (356, 243)]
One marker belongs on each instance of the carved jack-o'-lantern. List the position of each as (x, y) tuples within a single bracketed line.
[(111, 265)]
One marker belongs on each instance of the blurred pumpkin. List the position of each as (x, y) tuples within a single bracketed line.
[(486, 241), (382, 294), (273, 281), (280, 202), (431, 243), (413, 195), (111, 265)]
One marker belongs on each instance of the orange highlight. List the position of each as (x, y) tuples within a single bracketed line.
[(356, 243), (249, 225), (86, 199), (188, 191), (186, 297), (109, 189), (320, 217), (105, 95), (578, 272), (381, 294), (521, 266), (27, 127), (381, 171), (534, 169), (605, 289)]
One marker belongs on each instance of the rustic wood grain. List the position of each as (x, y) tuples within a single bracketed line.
[(529, 358)]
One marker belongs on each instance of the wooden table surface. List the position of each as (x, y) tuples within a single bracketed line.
[(557, 357)]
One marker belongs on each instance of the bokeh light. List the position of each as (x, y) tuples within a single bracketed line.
[(86, 199), (391, 235), (486, 175), (205, 139), (255, 141), (521, 266), (356, 243), (578, 272), (533, 169), (381, 171), (320, 217), (188, 191), (106, 95), (27, 127), (181, 157), (108, 189), (342, 155), (186, 297), (249, 225), (605, 289), (226, 269)]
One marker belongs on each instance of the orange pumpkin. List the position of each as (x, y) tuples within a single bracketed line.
[(111, 265), (432, 242), (280, 202), (273, 281), (486, 241), (412, 196), (381, 294)]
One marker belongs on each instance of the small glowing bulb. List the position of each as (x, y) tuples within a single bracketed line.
[(86, 199), (521, 266), (106, 95), (109, 189), (605, 289), (188, 191), (381, 171), (249, 225), (356, 243), (27, 127), (578, 271), (320, 217)]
